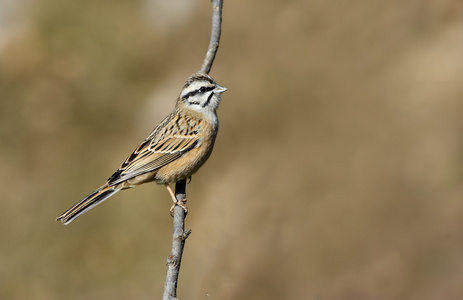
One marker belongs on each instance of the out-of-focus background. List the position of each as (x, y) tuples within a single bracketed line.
[(337, 172)]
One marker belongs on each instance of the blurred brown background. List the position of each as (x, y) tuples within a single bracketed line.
[(337, 172)]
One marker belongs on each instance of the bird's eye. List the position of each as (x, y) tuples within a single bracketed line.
[(202, 89)]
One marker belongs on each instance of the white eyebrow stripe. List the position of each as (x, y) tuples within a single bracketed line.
[(194, 87)]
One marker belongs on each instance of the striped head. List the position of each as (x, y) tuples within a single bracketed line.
[(201, 93)]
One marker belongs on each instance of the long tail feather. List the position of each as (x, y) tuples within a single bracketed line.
[(85, 205)]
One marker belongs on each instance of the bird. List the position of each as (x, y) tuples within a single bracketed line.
[(174, 150)]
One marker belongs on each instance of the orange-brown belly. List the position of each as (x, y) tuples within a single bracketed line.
[(185, 166)]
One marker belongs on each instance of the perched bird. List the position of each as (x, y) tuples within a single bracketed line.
[(174, 151)]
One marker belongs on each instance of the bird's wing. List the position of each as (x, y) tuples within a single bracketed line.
[(153, 154)]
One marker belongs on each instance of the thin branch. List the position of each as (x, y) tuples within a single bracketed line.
[(178, 243), (215, 36), (179, 233)]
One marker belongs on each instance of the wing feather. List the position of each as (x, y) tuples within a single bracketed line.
[(175, 136), (153, 156)]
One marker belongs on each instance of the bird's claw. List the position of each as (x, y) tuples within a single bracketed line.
[(180, 203)]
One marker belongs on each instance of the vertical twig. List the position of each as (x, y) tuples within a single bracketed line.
[(179, 233), (178, 243), (215, 36)]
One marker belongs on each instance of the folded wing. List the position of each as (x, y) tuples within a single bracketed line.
[(152, 155)]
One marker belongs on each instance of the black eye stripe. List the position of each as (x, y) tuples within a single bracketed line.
[(201, 90)]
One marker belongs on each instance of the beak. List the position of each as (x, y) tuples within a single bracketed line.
[(219, 89)]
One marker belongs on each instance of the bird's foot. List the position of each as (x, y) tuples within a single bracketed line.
[(180, 203)]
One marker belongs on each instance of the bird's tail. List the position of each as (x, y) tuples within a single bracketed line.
[(86, 204)]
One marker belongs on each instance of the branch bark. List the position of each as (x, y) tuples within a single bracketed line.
[(178, 243), (179, 233), (215, 36)]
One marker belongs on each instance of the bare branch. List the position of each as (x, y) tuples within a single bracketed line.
[(215, 36), (178, 243), (179, 233)]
